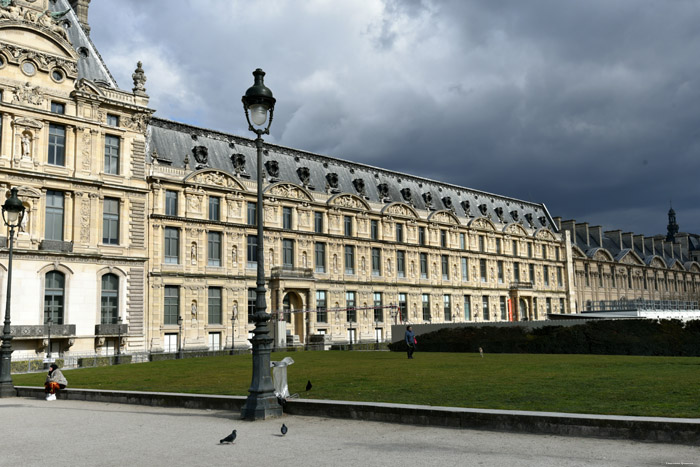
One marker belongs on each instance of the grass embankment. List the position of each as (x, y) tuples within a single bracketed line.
[(619, 385)]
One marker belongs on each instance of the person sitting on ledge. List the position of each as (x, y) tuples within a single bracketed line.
[(55, 381)]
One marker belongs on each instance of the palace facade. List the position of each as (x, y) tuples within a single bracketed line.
[(140, 231)]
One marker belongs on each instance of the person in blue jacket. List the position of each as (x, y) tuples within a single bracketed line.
[(410, 341)]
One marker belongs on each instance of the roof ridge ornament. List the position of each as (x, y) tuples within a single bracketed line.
[(139, 78)]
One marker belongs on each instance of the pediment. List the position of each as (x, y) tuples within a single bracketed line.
[(399, 209), (288, 190), (482, 223), (576, 252), (515, 228), (677, 266), (545, 234), (87, 86), (692, 266), (28, 192), (444, 217), (214, 178), (657, 262), (347, 200), (630, 257), (601, 254), (42, 39), (28, 122)]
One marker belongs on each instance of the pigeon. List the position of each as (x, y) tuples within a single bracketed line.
[(284, 429), (229, 439), (308, 385)]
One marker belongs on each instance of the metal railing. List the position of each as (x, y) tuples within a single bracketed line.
[(640, 305)]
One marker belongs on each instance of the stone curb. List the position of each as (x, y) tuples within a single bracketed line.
[(655, 429)]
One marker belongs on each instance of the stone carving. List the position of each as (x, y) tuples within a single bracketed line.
[(499, 212), (304, 176), (483, 209), (238, 161), (528, 216), (215, 178), (193, 309), (332, 182), (194, 202), (383, 190), (273, 170), (543, 220), (348, 201), (400, 209), (193, 254), (186, 162), (201, 155), (514, 215), (407, 196), (442, 217), (466, 207), (447, 202), (28, 94), (137, 121), (287, 190), (359, 185), (26, 145), (428, 200), (85, 220), (139, 78)]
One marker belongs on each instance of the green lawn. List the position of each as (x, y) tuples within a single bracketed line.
[(621, 385)]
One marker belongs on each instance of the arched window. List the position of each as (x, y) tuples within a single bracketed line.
[(54, 293), (109, 308)]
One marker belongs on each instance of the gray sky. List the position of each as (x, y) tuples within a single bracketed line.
[(591, 107)]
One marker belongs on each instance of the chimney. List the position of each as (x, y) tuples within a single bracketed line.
[(597, 233), (557, 222), (639, 245), (627, 240), (582, 230), (616, 237), (570, 226), (81, 11)]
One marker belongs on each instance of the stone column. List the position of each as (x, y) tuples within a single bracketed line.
[(71, 163), (68, 216)]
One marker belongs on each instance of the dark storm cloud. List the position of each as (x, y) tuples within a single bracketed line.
[(590, 107)]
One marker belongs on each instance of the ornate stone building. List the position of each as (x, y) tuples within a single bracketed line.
[(151, 223)]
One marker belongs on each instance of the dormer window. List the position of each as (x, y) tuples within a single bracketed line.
[(112, 120), (58, 108)]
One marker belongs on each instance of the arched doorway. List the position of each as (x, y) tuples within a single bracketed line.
[(293, 301), (522, 309)]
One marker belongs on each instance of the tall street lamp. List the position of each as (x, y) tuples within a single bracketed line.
[(234, 315), (49, 322), (118, 359), (12, 214), (262, 402), (179, 338)]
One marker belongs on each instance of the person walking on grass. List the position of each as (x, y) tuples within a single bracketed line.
[(410, 341), (55, 381)]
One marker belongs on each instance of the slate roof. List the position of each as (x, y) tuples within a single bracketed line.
[(90, 64), (173, 140)]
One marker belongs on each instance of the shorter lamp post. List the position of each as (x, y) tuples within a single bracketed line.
[(376, 332), (394, 311), (12, 214), (49, 322), (118, 358), (234, 315), (179, 338)]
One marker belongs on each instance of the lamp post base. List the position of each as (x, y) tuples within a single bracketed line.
[(7, 389), (259, 407)]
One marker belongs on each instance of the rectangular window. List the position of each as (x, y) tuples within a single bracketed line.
[(515, 248), (516, 272), (504, 308), (170, 203), (287, 253), (548, 304), (424, 265), (445, 267), (499, 266), (58, 108), (172, 245), (214, 249), (532, 273), (560, 278), (561, 306), (214, 305), (347, 222), (545, 273), (374, 229), (321, 307), (252, 298), (110, 221), (544, 251), (425, 300), (320, 257), (600, 277), (421, 235), (467, 307), (403, 307), (350, 305), (483, 271), (447, 307), (462, 241), (485, 308), (111, 154), (252, 213), (287, 218), (171, 305), (349, 259), (465, 269), (112, 120), (214, 208), (399, 232), (482, 243), (401, 263), (534, 308), (443, 238), (378, 310), (498, 246), (54, 215), (557, 254), (57, 144), (529, 250), (376, 262), (318, 222), (252, 251)]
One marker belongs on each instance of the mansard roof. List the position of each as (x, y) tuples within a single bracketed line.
[(174, 142)]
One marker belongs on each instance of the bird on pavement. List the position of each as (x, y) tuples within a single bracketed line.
[(284, 429), (229, 439), (308, 385)]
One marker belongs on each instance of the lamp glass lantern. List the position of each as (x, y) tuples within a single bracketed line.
[(257, 103)]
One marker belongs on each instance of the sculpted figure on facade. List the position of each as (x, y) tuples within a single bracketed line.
[(193, 254)]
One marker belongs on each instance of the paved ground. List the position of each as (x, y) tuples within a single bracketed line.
[(69, 433)]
